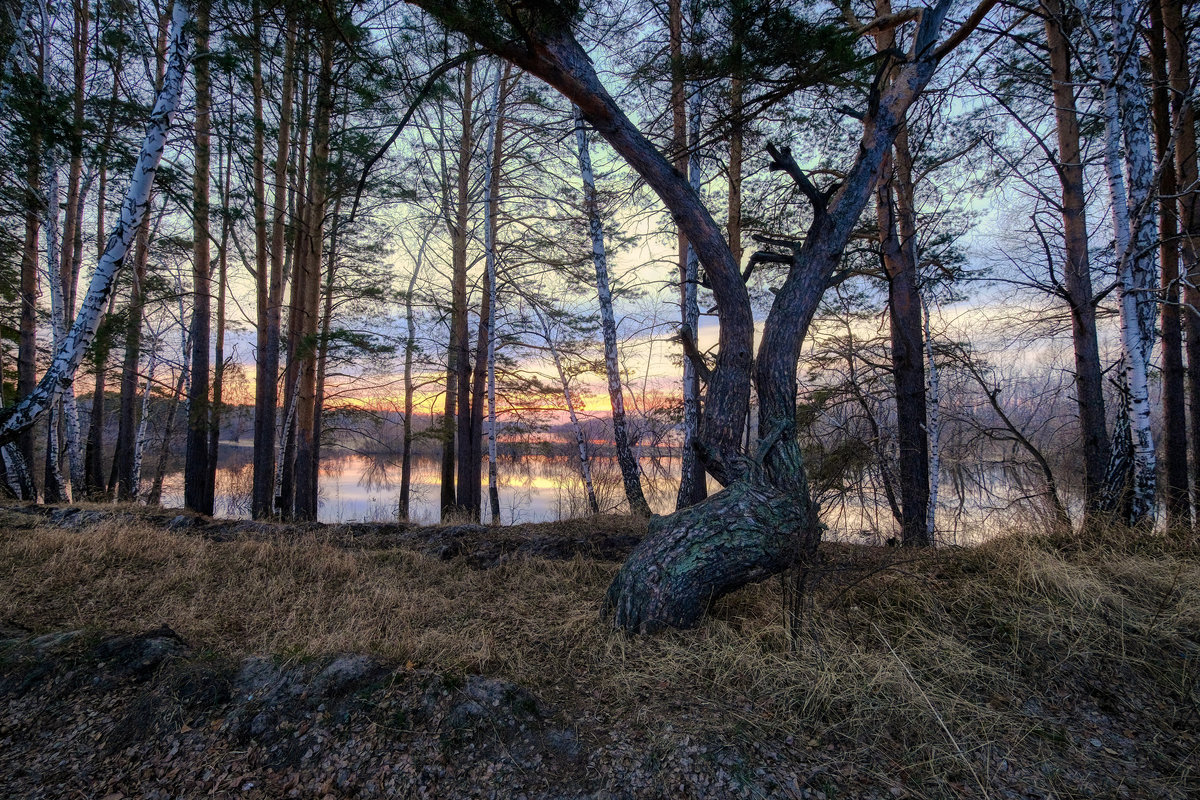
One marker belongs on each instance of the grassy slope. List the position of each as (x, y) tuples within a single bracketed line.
[(1063, 667)]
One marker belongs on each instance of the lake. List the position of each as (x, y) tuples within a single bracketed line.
[(544, 488)]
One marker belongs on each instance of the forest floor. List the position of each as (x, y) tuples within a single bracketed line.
[(153, 655)]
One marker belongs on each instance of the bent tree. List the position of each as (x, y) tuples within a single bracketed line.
[(764, 520), (21, 416)]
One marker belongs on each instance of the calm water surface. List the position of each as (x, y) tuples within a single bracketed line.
[(359, 488), (541, 488)]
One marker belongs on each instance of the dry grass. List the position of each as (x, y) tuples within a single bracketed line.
[(927, 664)]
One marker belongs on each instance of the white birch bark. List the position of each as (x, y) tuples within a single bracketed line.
[(133, 213), (626, 458), (691, 308), (15, 473), (139, 442), (53, 278), (1126, 115), (289, 419), (489, 244)]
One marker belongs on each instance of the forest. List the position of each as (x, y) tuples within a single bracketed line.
[(607, 399), (913, 266)]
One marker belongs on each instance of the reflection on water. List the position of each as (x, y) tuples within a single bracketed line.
[(533, 488), (541, 488)]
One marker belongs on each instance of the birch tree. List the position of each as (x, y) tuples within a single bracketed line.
[(1127, 122), (491, 203), (692, 488), (20, 417), (53, 488), (630, 472)]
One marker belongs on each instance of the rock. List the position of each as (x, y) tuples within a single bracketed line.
[(183, 521), (137, 657), (256, 675), (343, 673), (52, 641)]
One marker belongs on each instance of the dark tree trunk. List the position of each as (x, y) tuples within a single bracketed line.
[(897, 220), (693, 561), (470, 462), (269, 277), (470, 466), (895, 211), (94, 452), (72, 230), (410, 346), (1077, 277), (1174, 411), (323, 345), (467, 449), (214, 433), (458, 367), (197, 491), (1187, 176), (128, 408), (312, 246), (291, 383)]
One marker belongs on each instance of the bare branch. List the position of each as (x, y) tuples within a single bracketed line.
[(781, 160)]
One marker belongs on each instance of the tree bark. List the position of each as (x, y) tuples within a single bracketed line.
[(139, 443), (934, 427), (1077, 276), (312, 247), (1188, 205), (1126, 119), (410, 346), (1173, 393), (630, 473), (197, 490), (94, 455), (72, 239), (27, 346), (286, 467), (470, 461), (897, 219), (691, 472), (218, 386), (269, 284), (125, 485), (458, 353), (323, 345), (491, 204), (54, 490)]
